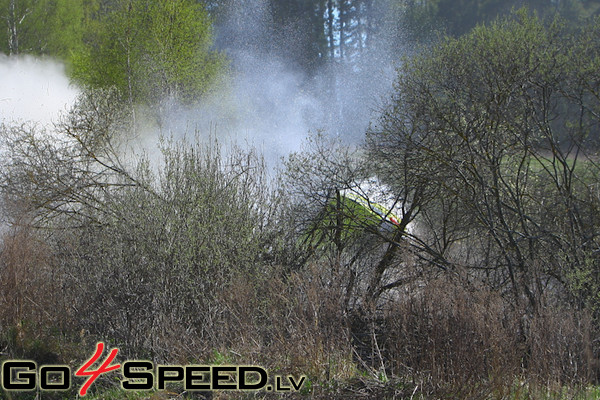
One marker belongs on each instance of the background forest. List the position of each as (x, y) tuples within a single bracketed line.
[(396, 199)]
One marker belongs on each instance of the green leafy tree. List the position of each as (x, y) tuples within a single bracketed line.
[(44, 27), (151, 51)]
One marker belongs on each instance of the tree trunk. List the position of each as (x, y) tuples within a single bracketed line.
[(13, 40)]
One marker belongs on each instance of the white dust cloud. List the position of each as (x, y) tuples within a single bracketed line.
[(33, 90), (269, 103)]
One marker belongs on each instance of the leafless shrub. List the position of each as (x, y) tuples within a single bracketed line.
[(30, 301), (452, 337), (561, 341)]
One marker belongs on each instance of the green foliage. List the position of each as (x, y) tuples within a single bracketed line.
[(150, 51), (44, 27)]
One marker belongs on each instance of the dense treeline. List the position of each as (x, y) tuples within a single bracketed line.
[(453, 255), (103, 41), (314, 32), (459, 17)]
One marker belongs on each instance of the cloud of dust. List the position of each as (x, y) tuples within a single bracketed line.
[(33, 89)]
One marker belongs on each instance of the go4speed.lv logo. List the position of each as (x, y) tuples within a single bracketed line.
[(24, 375)]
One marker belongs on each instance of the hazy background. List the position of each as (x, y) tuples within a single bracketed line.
[(267, 100)]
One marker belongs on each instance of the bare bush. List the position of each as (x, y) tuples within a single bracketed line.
[(31, 301), (453, 337)]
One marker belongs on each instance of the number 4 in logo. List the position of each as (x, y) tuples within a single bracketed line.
[(93, 374)]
